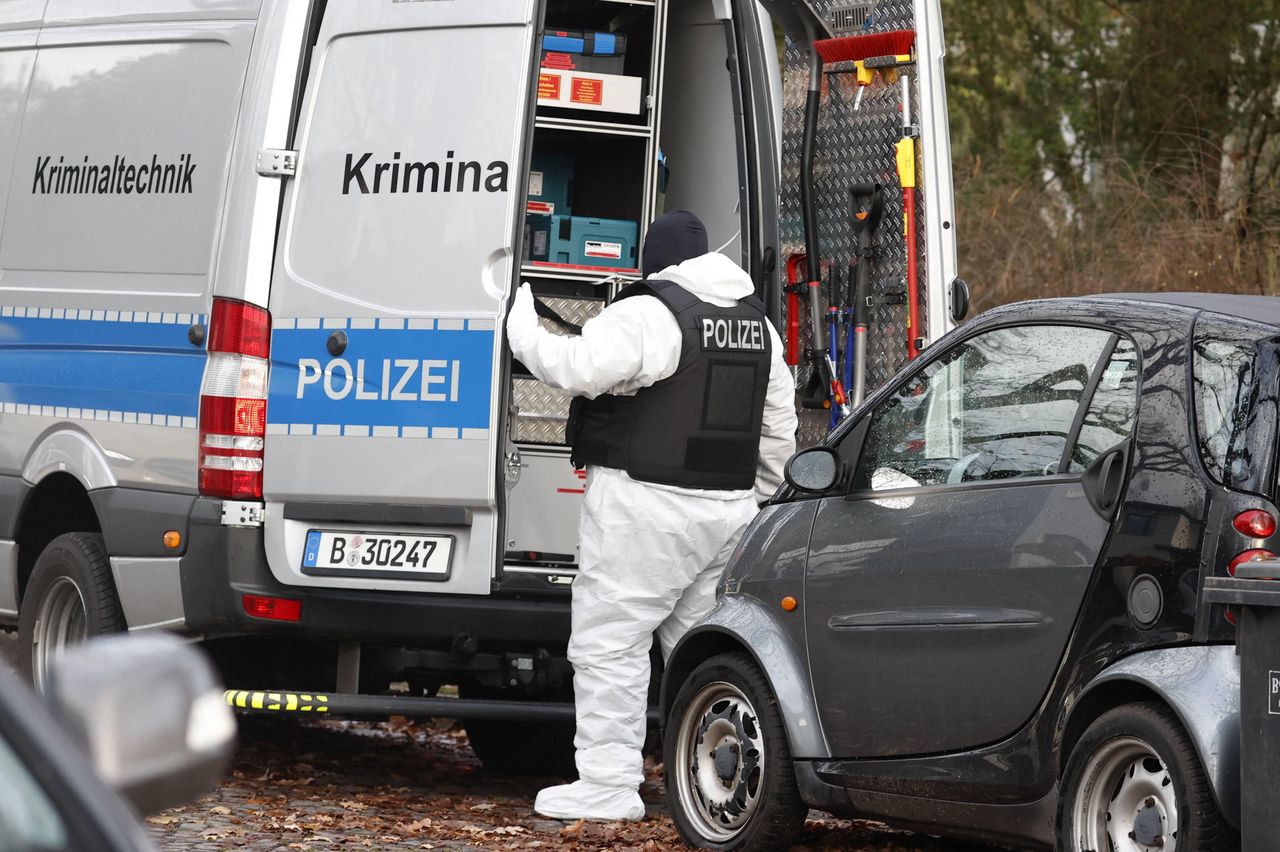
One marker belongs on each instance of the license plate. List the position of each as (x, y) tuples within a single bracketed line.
[(350, 554)]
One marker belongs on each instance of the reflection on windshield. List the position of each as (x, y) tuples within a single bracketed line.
[(999, 406)]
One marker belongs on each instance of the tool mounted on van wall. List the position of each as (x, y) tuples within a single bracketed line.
[(823, 365), (870, 53), (906, 161), (866, 210)]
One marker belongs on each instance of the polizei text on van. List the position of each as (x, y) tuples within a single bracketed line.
[(397, 176)]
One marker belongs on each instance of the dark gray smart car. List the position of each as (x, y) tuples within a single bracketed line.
[(977, 609)]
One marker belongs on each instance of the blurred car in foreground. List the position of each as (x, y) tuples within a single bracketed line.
[(127, 725), (978, 609)]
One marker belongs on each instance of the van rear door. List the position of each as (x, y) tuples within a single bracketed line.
[(392, 268)]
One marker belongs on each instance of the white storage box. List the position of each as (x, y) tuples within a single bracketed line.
[(583, 90)]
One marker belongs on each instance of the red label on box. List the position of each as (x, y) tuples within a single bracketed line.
[(585, 90), (544, 208), (549, 87), (561, 61)]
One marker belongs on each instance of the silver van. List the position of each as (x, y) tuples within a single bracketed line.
[(254, 260)]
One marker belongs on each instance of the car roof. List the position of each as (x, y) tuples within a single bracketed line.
[(1263, 309)]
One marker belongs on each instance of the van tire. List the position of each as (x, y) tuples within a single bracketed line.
[(1144, 747), (529, 749), (70, 597)]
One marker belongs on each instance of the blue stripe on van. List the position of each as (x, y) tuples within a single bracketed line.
[(142, 367), (402, 377)]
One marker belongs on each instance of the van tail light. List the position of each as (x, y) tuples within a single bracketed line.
[(1247, 556), (276, 609), (1255, 523), (233, 401)]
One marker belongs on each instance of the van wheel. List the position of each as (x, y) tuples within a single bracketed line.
[(520, 748), (730, 779), (69, 598), (1134, 783)]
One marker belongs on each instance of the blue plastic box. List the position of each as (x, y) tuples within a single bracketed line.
[(550, 184), (582, 241)]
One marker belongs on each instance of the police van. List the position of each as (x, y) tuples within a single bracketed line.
[(254, 262)]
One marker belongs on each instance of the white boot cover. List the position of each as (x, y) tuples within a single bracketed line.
[(587, 800)]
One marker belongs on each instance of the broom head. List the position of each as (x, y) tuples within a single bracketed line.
[(858, 47)]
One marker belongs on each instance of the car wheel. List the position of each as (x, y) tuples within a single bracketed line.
[(730, 780), (1134, 783), (69, 598)]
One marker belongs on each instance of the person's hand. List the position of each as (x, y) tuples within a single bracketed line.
[(523, 319)]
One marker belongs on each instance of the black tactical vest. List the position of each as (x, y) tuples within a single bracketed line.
[(700, 427)]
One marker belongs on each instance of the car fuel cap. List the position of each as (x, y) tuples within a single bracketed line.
[(1145, 600)]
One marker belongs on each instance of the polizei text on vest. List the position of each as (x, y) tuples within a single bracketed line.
[(118, 176), (721, 334), (400, 176)]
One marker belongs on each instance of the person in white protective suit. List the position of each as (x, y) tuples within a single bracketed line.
[(684, 417)]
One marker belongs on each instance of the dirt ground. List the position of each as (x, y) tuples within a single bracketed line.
[(401, 785)]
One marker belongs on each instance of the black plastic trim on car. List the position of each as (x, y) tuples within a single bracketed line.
[(379, 513), (134, 520), (13, 494)]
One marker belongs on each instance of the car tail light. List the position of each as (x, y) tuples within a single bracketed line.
[(1247, 556), (1255, 523), (276, 609), (233, 401)]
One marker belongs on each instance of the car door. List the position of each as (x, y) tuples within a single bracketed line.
[(942, 588), (392, 270)]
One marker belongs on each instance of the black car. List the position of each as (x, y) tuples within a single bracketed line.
[(978, 610), (126, 725)]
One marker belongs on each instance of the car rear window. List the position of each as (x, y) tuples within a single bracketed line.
[(1226, 388)]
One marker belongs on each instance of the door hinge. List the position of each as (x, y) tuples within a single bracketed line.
[(277, 162), (238, 514)]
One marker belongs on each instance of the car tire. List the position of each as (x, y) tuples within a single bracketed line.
[(1135, 770), (70, 597), (730, 779)]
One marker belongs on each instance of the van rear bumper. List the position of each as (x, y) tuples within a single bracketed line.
[(222, 564)]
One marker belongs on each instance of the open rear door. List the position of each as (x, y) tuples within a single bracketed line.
[(391, 275)]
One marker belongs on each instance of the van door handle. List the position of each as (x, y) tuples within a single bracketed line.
[(337, 343), (195, 334)]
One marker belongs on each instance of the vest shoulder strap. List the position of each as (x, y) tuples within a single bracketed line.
[(676, 298)]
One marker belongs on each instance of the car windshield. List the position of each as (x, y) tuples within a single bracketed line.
[(28, 820)]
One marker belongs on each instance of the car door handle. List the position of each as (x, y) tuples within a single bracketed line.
[(1104, 480)]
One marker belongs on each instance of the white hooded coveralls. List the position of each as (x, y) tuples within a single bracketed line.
[(650, 554)]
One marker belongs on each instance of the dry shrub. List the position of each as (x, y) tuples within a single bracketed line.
[(1131, 232)]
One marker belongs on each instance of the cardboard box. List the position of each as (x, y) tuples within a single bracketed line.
[(594, 92)]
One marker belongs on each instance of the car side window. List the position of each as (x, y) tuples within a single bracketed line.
[(997, 406), (1109, 418), (28, 820), (1223, 372)]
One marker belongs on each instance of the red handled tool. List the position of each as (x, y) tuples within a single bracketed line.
[(906, 159), (795, 285)]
